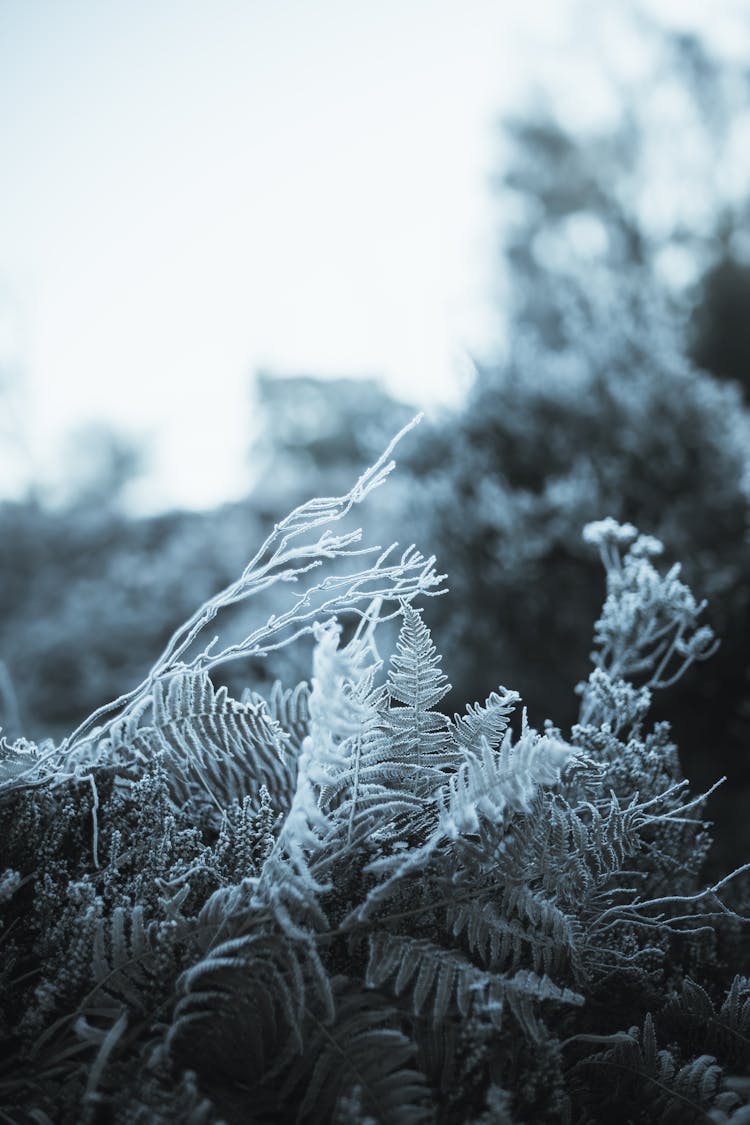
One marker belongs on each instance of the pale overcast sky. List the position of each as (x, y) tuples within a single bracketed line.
[(193, 189)]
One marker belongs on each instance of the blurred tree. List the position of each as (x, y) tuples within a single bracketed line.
[(100, 463), (16, 460), (316, 435), (661, 185), (721, 337)]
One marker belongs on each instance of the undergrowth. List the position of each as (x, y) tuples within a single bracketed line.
[(337, 904)]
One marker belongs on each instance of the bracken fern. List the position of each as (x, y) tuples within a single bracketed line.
[(336, 904)]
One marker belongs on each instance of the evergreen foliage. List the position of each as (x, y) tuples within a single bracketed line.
[(334, 904)]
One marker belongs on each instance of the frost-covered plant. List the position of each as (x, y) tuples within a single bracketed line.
[(337, 904), (649, 627)]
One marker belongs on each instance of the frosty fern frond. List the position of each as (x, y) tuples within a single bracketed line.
[(488, 721), (290, 708), (211, 744), (440, 980), (491, 785), (419, 735)]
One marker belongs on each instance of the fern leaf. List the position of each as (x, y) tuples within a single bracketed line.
[(636, 1071), (414, 678), (488, 721), (493, 785), (243, 1005), (570, 853), (214, 746), (124, 963), (693, 1017), (544, 935), (363, 1050), (452, 982), (289, 707), (420, 735)]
